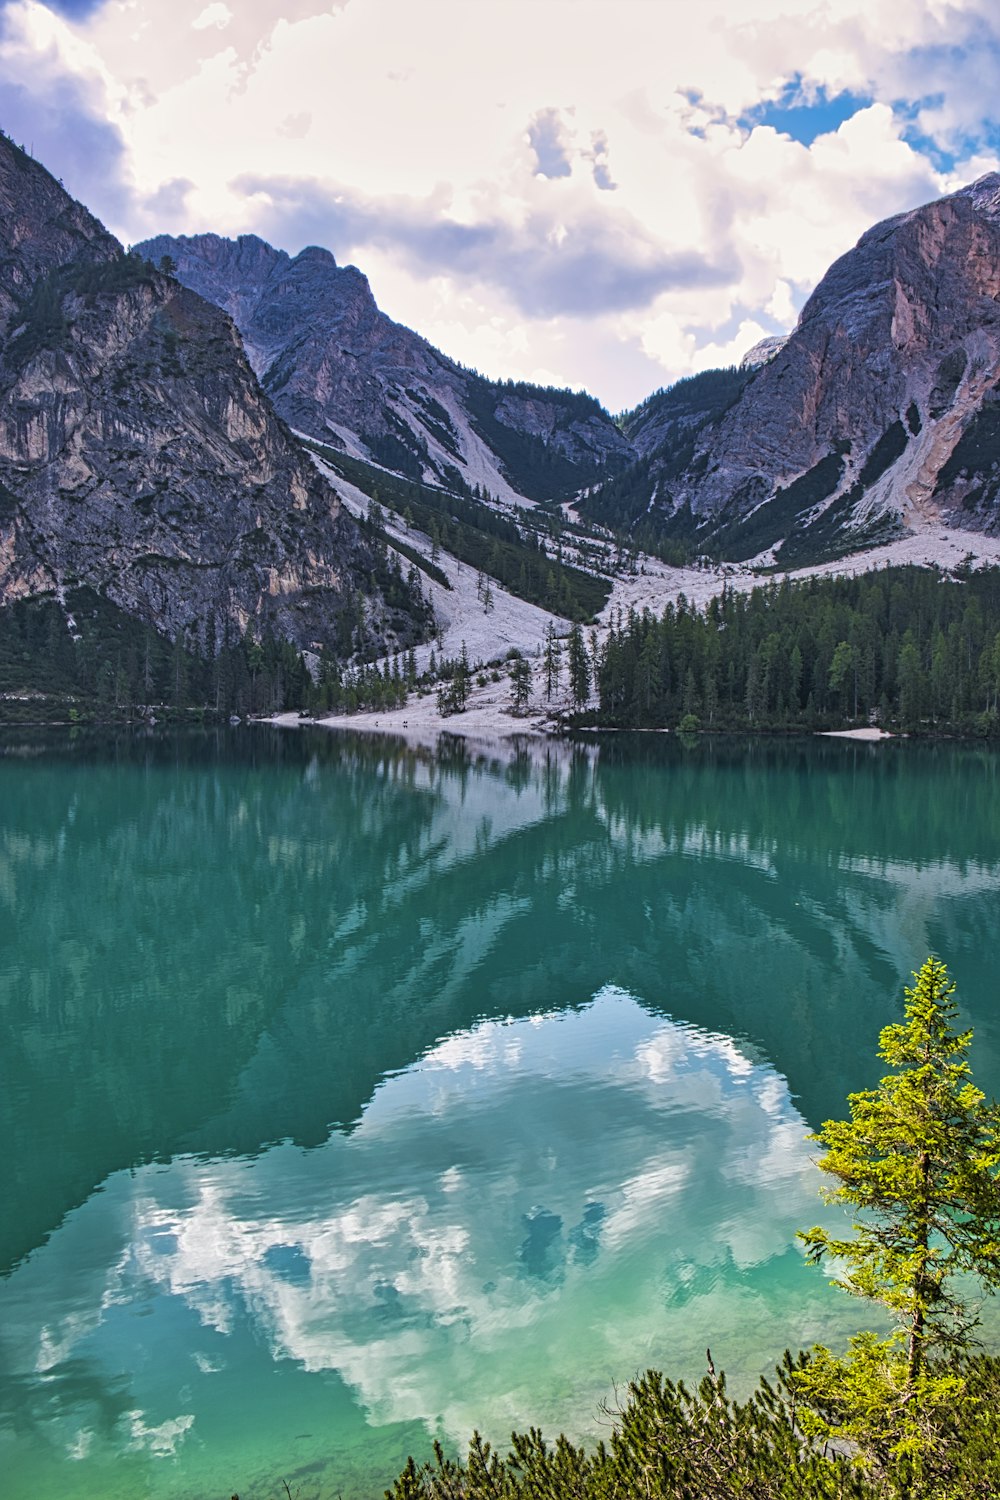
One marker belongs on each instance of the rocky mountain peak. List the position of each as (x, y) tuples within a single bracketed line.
[(984, 193), (138, 453), (880, 413), (764, 350), (42, 227), (317, 255), (338, 369)]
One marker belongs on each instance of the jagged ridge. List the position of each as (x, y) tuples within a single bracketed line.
[(139, 455), (879, 413), (338, 369)]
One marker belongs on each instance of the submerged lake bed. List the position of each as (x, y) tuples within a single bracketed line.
[(355, 1095)]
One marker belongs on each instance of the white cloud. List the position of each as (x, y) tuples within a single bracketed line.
[(446, 1264), (162, 1440), (217, 15), (560, 128)]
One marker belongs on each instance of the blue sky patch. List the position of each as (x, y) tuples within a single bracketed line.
[(971, 79), (941, 159), (805, 116), (74, 10)]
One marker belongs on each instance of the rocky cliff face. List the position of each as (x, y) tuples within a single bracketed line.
[(139, 455), (880, 412), (339, 369)]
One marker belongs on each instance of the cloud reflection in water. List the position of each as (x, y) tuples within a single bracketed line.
[(533, 1206)]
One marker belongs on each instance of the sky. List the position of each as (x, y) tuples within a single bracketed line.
[(602, 194)]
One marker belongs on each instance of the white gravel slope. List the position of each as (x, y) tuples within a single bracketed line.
[(511, 623), (459, 611)]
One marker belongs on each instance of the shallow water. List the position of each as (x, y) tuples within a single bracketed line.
[(352, 1096)]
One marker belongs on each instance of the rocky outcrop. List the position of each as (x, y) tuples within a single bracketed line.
[(880, 412), (765, 349), (338, 369), (139, 455)]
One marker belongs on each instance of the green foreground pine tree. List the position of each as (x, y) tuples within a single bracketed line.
[(919, 1161), (910, 1415)]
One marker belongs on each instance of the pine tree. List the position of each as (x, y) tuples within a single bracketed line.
[(520, 680), (579, 667), (552, 659), (920, 1160)]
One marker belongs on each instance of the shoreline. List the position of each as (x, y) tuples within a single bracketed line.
[(485, 724), (870, 734)]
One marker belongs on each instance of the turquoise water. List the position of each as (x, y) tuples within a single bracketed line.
[(352, 1096)]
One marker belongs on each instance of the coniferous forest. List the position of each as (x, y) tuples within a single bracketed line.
[(908, 649), (90, 662), (905, 648)]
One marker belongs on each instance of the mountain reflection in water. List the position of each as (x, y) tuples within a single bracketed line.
[(350, 1092), (566, 1192)]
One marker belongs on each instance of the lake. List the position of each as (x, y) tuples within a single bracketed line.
[(354, 1095)]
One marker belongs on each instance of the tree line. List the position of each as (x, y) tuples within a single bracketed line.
[(89, 661), (907, 648), (482, 537)]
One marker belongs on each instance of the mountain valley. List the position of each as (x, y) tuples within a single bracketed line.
[(227, 442)]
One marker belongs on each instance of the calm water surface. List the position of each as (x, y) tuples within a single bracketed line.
[(352, 1096)]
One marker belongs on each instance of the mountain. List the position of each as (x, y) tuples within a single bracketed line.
[(663, 430), (879, 414), (140, 458), (340, 370)]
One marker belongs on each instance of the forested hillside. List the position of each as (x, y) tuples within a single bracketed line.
[(663, 430), (906, 648), (524, 556), (84, 660)]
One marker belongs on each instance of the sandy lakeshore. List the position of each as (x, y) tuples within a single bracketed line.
[(488, 717), (857, 734), (487, 720)]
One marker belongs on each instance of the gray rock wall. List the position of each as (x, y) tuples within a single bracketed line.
[(335, 366), (138, 452)]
